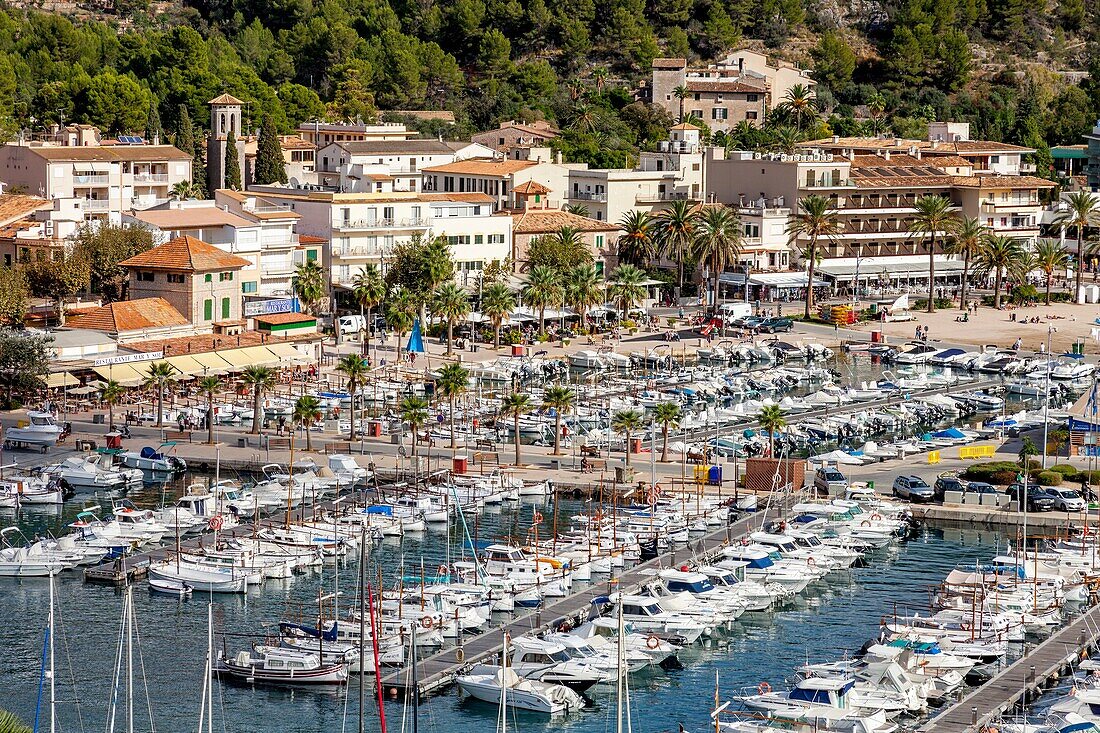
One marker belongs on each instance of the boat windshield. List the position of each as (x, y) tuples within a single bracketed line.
[(41, 420), (699, 586)]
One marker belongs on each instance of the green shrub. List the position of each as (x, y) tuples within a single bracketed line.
[(1049, 478), (985, 471), (1065, 469), (1003, 478), (1093, 477), (1024, 294)]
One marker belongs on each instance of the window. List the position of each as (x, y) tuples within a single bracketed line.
[(387, 212), (175, 278), (718, 113), (599, 240), (144, 276), (225, 308), (208, 278), (479, 239), (208, 310), (750, 115), (311, 255), (225, 277), (752, 98), (249, 287), (994, 159), (696, 96)]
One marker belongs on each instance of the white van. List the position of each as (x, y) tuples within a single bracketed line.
[(729, 311), (352, 324)]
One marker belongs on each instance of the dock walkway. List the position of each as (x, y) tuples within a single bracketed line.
[(1024, 676)]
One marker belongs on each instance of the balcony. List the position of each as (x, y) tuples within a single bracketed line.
[(347, 252), (97, 179), (269, 209), (150, 178), (96, 204), (279, 242), (146, 202), (587, 196), (996, 207), (409, 223), (652, 197)]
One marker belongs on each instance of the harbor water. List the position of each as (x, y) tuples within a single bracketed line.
[(830, 620)]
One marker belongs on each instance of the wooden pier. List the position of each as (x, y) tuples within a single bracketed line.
[(1022, 680), (438, 670)]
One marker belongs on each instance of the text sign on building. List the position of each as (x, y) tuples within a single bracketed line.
[(129, 358), (269, 307)]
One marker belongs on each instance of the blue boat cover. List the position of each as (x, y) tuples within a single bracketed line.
[(378, 509), (949, 433), (416, 339), (149, 452)]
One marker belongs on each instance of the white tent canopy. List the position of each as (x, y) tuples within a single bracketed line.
[(837, 456)]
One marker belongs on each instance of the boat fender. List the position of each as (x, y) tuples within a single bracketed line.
[(764, 688), (876, 516), (811, 562), (460, 655), (652, 642), (426, 622), (865, 523)]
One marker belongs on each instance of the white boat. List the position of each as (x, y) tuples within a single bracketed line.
[(19, 562), (916, 353), (170, 587), (38, 431), (89, 473), (153, 460), (539, 697), (30, 490), (204, 578), (279, 666)]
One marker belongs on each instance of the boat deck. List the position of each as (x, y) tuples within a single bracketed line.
[(1023, 677)]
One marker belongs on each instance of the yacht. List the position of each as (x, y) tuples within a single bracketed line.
[(278, 666), (546, 661), (39, 430), (89, 473), (916, 353), (539, 697), (154, 460)]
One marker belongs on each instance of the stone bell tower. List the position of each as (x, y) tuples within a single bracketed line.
[(225, 117)]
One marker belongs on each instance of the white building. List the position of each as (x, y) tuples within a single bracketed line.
[(498, 179), (367, 166)]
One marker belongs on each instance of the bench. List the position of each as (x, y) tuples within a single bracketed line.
[(590, 451), (278, 443), (485, 443), (595, 465), (338, 446), (176, 435), (483, 457)]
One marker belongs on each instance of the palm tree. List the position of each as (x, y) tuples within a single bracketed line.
[(160, 374), (543, 290), (516, 404), (771, 419), (675, 232), (668, 415), (600, 76), (584, 288), (210, 386), (718, 239), (9, 723), (798, 101), (369, 289), (453, 381), (450, 303), (400, 315), (112, 394), (561, 399), (355, 373), (307, 411), (1082, 211), (570, 244), (183, 190), (785, 139), (999, 254), (815, 221), (967, 237), (578, 210), (259, 379), (628, 288), (497, 303), (932, 216), (636, 242), (414, 411), (1050, 256), (681, 93), (309, 285), (628, 422)]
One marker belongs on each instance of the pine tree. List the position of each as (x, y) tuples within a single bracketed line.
[(270, 166), (185, 136), (232, 167), (153, 130)]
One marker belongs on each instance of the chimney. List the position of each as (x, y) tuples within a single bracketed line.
[(886, 154), (836, 139)]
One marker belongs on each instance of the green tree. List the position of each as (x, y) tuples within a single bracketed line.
[(309, 285), (419, 266), (117, 104), (400, 314), (799, 102), (516, 404), (369, 289), (351, 102), (159, 375), (259, 379), (112, 394), (933, 216), (816, 221), (1050, 257), (24, 362), (1082, 211), (999, 255), (667, 415), (584, 289), (497, 303), (59, 279), (675, 231), (561, 399), (771, 421), (968, 235), (270, 166), (306, 414), (628, 422), (13, 296), (450, 303), (185, 135), (562, 250), (834, 61), (718, 240), (103, 247), (9, 723), (232, 168), (355, 374), (210, 386), (543, 290), (454, 380), (153, 130), (414, 411), (627, 287)]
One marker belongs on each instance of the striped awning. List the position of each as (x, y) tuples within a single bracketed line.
[(214, 363)]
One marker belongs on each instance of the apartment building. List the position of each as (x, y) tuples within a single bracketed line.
[(532, 222), (673, 172), (498, 178), (320, 134), (512, 137), (33, 228), (106, 178), (298, 159), (367, 166), (764, 240), (362, 228)]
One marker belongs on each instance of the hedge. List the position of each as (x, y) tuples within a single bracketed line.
[(992, 472), (1049, 478), (1092, 476), (1065, 469)]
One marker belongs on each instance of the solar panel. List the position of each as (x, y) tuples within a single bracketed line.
[(131, 139)]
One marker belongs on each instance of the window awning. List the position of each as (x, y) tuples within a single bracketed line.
[(872, 269), (771, 279), (125, 374), (58, 380), (186, 364), (288, 352), (260, 356), (237, 358), (213, 362)]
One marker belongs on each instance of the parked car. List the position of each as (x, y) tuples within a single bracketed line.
[(913, 488), (751, 322), (1068, 500), (944, 484), (980, 487), (830, 481), (1038, 498), (776, 325)]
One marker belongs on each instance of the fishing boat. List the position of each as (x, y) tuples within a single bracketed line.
[(278, 666), (153, 460), (173, 588), (39, 430)]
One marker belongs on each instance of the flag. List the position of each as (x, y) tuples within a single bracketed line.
[(416, 339)]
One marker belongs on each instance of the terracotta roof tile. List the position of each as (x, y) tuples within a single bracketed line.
[(726, 87), (483, 167), (531, 187), (188, 254), (130, 315), (546, 221), (310, 239), (14, 207), (669, 63), (225, 99), (1001, 182)]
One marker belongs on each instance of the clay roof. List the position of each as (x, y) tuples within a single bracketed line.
[(294, 142), (14, 207), (443, 115), (181, 345), (310, 239), (725, 87), (108, 154), (941, 181), (130, 315), (531, 187), (867, 161), (684, 126), (188, 254), (483, 167), (547, 221), (1001, 182), (225, 99), (669, 63), (949, 161), (276, 319), (926, 147), (396, 147), (198, 217)]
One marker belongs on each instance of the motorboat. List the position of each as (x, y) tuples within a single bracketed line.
[(279, 666), (39, 430), (174, 588), (30, 490), (204, 578), (547, 661), (90, 474), (153, 460), (19, 562), (916, 353), (347, 471), (539, 697)]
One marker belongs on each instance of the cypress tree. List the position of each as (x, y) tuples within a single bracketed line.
[(153, 129), (232, 173), (270, 166), (185, 136)]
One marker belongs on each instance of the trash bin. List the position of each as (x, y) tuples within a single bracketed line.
[(99, 419), (635, 445), (519, 350), (374, 429), (876, 337), (459, 464), (714, 476), (114, 440)]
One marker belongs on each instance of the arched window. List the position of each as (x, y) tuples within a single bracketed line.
[(221, 126)]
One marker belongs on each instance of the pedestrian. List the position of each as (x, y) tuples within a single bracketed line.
[(917, 332), (1042, 347), (1017, 344)]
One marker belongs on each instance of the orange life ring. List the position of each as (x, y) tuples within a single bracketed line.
[(763, 688), (216, 522), (811, 562), (865, 523), (652, 642), (426, 622), (876, 515)]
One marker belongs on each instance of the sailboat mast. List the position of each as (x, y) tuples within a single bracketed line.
[(53, 691), (415, 685), (130, 659), (619, 671), (374, 631), (362, 619)]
